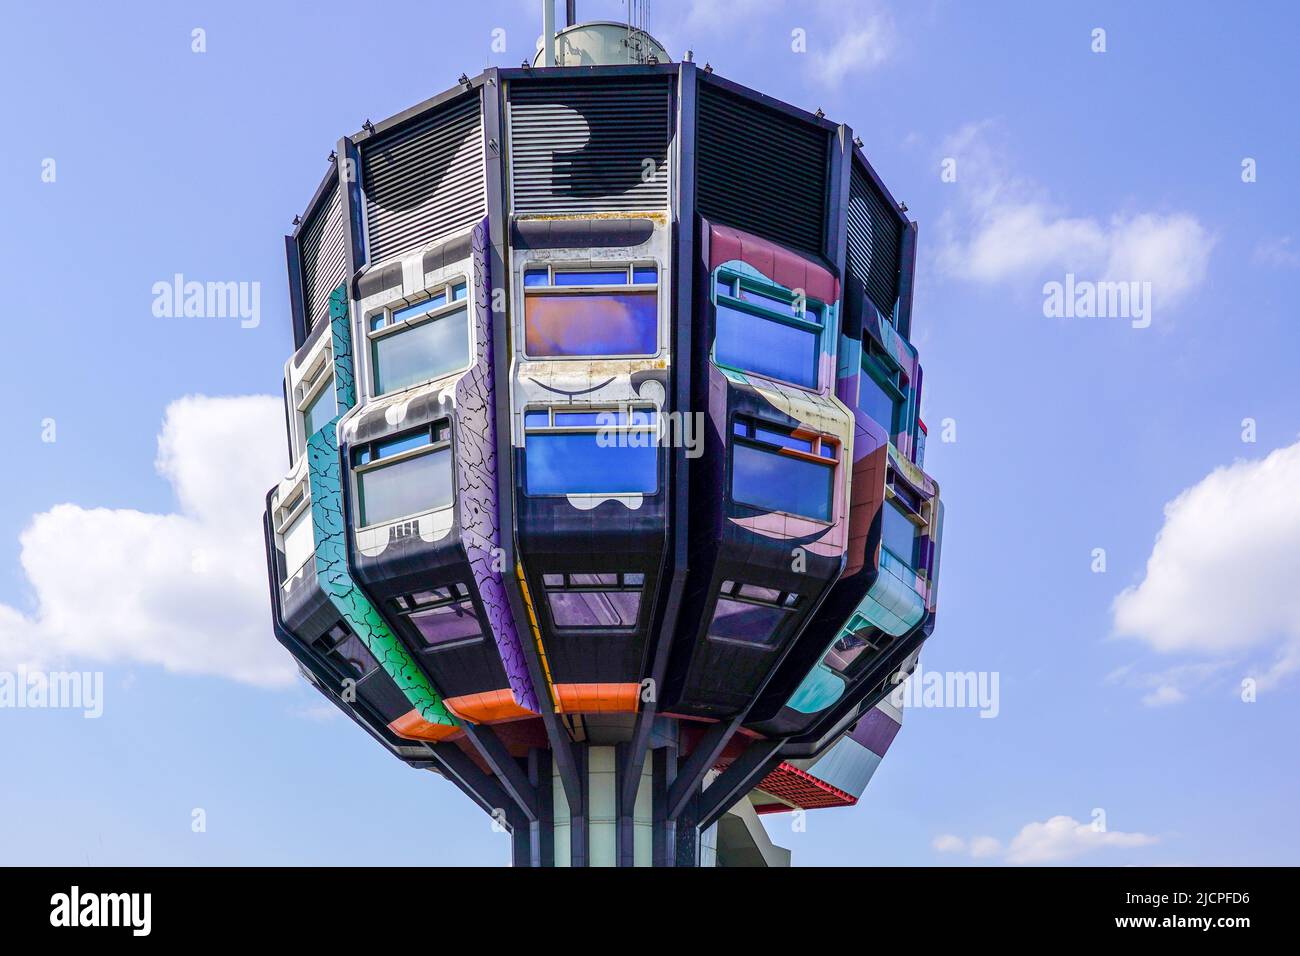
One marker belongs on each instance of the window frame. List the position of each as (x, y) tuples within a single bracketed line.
[(818, 442), (736, 281), (894, 499), (391, 329), (327, 645), (651, 428), (287, 511), (888, 374), (622, 586), (458, 593), (554, 267), (318, 377), (440, 439), (789, 603)]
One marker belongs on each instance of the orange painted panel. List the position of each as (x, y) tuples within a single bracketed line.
[(490, 707), (414, 727), (597, 698)]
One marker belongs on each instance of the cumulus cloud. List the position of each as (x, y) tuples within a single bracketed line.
[(1064, 838), (841, 42), (858, 48), (1280, 252), (1007, 228), (1220, 579), (184, 590), (1056, 840)]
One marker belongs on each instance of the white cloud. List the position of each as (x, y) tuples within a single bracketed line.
[(1064, 838), (1163, 696), (1006, 228), (1280, 252), (1057, 840), (948, 843), (1220, 578), (185, 590), (855, 50), (841, 42)]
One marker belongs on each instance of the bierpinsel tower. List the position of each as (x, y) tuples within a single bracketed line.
[(606, 497)]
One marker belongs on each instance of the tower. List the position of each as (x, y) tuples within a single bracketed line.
[(606, 498)]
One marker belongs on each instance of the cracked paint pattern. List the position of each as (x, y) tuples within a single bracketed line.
[(476, 478), (330, 534)]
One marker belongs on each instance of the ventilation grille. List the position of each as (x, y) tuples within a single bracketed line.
[(322, 256), (425, 181), (589, 148), (761, 171), (873, 241)]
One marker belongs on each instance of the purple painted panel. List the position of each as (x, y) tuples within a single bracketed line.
[(876, 731), (477, 482)]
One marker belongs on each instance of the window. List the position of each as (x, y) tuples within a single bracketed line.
[(347, 652), (314, 396), (775, 468), (763, 329), (605, 310), (403, 476), (858, 641), (421, 342), (898, 533), (293, 525), (443, 616), (577, 450), (748, 614), (320, 409), (597, 600), (880, 392)]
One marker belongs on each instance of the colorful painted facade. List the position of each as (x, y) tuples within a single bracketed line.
[(607, 497)]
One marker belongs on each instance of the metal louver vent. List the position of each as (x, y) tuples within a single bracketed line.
[(760, 170), (424, 181), (322, 255), (589, 147), (873, 242)]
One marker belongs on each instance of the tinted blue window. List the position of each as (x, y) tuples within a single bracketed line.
[(322, 408), (783, 439), (605, 418), (877, 402), (395, 446), (592, 277), (766, 347), (459, 291), (559, 464), (774, 302), (645, 274), (537, 419), (898, 534), (534, 277), (579, 419), (775, 482), (417, 310)]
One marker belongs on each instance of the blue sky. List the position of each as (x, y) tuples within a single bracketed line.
[(1071, 434)]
